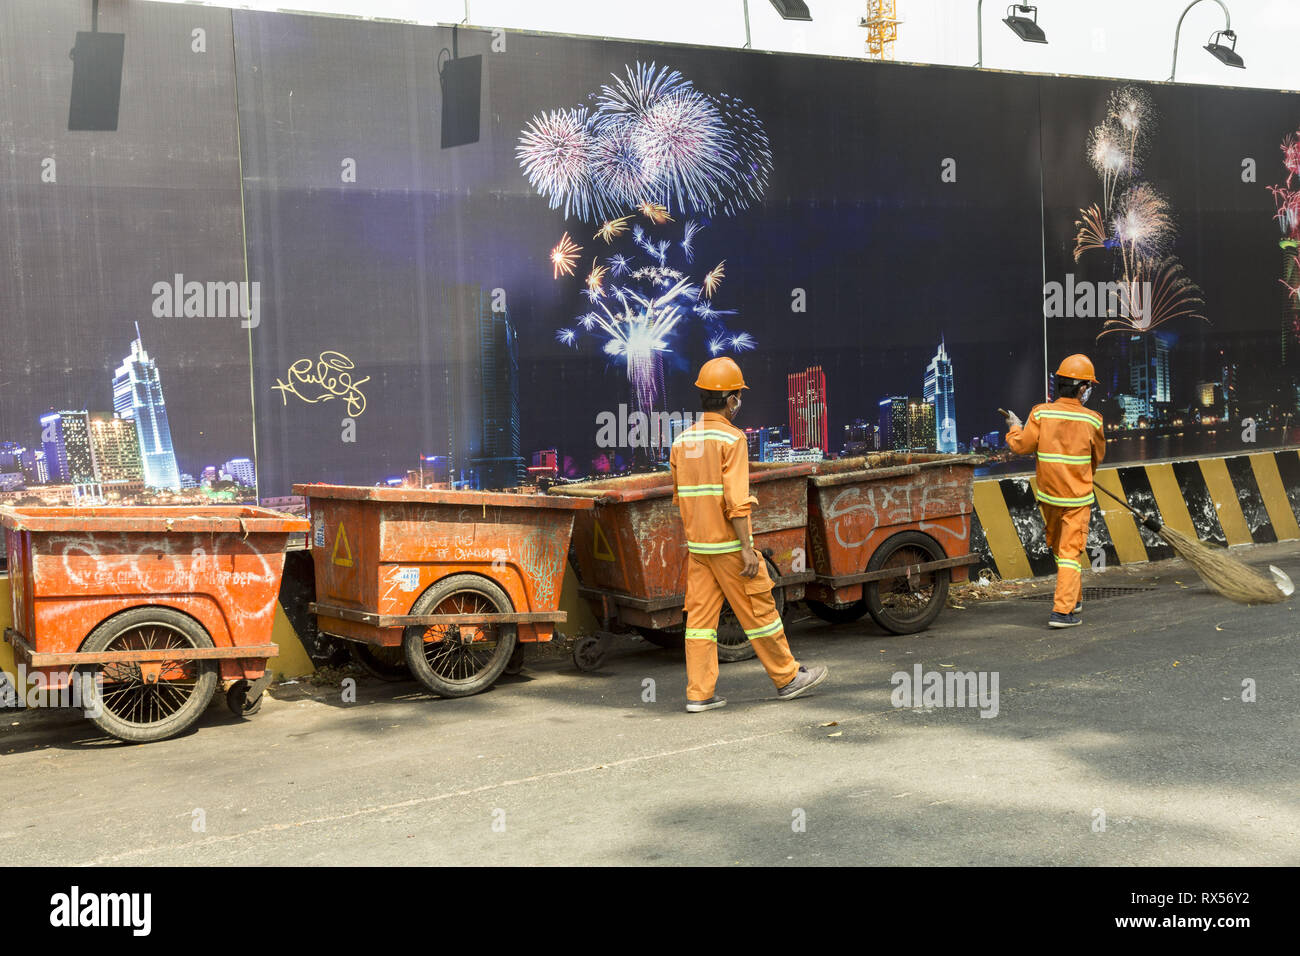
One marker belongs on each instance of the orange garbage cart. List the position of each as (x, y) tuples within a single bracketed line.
[(144, 609), (630, 552), (886, 533), (447, 583)]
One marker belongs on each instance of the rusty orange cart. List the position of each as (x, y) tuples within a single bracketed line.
[(150, 606), (886, 533), (452, 581), (631, 551)]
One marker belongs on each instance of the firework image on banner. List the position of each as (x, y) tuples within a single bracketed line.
[(536, 305), (1170, 242), (124, 360)]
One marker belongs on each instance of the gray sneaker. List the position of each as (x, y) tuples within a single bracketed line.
[(699, 706), (803, 681)]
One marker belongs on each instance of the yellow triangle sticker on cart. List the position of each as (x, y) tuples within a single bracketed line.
[(342, 550), (600, 544)]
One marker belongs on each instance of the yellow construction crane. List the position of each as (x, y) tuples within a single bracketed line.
[(882, 23)]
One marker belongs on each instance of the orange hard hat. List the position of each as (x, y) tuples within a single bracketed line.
[(1077, 366), (721, 374)]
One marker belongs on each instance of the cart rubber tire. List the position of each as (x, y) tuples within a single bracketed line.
[(382, 664), (237, 701), (472, 590), (885, 615), (196, 698), (588, 654), (516, 663), (838, 613)]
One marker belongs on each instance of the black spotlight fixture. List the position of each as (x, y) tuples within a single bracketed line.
[(96, 77), (1024, 27), (1227, 55), (787, 9), (461, 79), (792, 10)]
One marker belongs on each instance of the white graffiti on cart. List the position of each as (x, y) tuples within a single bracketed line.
[(874, 506), (178, 564)]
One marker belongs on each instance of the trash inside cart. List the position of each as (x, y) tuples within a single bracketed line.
[(887, 532), (630, 552), (145, 609), (445, 585)]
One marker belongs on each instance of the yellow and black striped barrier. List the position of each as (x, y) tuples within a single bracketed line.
[(1241, 499)]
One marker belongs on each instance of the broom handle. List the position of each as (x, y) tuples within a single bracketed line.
[(1147, 520)]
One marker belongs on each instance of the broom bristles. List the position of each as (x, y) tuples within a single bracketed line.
[(1221, 572)]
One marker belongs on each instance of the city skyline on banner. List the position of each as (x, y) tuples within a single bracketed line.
[(125, 455)]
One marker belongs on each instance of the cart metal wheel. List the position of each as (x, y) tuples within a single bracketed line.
[(457, 660), (902, 605), (141, 704), (588, 653), (838, 613), (237, 699), (386, 663)]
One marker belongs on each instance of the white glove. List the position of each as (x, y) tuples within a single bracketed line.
[(1013, 421)]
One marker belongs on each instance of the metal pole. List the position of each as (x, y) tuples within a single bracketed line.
[(1227, 17), (466, 20), (747, 39), (979, 31)]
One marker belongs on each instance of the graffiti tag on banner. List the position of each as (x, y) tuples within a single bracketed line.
[(329, 377), (341, 543)]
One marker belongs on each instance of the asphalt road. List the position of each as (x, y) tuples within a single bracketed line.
[(1136, 719)]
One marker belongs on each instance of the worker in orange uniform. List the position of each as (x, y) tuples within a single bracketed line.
[(710, 465), (1070, 445)]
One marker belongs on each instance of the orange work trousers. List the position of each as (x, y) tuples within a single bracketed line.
[(1067, 536), (711, 579)]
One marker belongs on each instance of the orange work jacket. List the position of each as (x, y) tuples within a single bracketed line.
[(710, 465), (1069, 444)]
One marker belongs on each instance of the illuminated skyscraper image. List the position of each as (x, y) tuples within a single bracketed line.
[(807, 397), (939, 393), (137, 396)]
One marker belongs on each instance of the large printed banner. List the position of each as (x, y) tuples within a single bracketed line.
[(317, 249)]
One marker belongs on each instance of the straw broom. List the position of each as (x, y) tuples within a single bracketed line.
[(1220, 571)]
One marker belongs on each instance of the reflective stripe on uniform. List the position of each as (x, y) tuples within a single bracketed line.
[(701, 634), (767, 630), (713, 547), (1068, 416), (700, 434), (699, 491), (1065, 459), (1065, 502), (1068, 563)]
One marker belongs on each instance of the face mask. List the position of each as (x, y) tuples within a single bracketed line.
[(735, 409), (1084, 395)]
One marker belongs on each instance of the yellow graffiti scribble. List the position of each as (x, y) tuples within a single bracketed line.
[(330, 376)]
